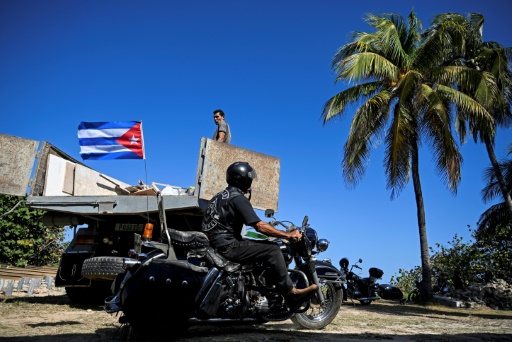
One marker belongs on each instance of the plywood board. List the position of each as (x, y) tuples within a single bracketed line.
[(215, 158), (17, 156)]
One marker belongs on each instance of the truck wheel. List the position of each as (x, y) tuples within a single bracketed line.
[(102, 268)]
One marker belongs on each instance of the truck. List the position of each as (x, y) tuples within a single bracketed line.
[(105, 212)]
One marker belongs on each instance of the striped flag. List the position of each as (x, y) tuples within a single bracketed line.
[(111, 140)]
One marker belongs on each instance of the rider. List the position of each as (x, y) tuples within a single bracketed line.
[(223, 221)]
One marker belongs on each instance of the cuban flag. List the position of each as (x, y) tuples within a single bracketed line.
[(111, 140)]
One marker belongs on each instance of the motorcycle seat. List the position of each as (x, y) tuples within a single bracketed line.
[(198, 245), (189, 239)]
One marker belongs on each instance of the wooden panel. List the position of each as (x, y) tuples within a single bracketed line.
[(216, 157), (17, 156), (69, 179)]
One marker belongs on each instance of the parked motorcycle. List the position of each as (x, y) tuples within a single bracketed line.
[(358, 288), (184, 281)]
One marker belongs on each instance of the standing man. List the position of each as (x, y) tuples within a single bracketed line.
[(222, 133)]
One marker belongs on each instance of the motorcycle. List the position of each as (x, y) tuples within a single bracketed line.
[(358, 288), (183, 281)]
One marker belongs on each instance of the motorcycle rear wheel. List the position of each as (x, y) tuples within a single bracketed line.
[(319, 316)]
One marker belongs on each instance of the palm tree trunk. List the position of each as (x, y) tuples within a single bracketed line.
[(426, 288), (499, 176)]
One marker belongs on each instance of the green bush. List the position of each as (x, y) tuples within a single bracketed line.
[(461, 263), (25, 240)]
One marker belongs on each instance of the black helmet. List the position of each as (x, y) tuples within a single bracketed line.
[(240, 175), (344, 263)]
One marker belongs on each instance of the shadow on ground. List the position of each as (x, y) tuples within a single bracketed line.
[(426, 311), (256, 334)]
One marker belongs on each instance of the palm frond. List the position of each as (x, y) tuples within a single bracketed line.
[(414, 34), (492, 188), (436, 126), (366, 66), (362, 42), (398, 150), (480, 85), (493, 217), (392, 32), (337, 104), (407, 87), (479, 119), (368, 121)]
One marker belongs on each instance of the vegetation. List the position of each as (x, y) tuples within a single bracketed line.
[(462, 37), (485, 258), (488, 257), (411, 87), (25, 240), (496, 216)]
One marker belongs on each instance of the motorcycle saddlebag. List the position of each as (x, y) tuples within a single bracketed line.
[(391, 292), (161, 287)]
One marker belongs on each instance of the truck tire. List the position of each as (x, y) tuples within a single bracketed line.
[(102, 268)]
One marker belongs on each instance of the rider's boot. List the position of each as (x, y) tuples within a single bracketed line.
[(307, 290), (296, 297)]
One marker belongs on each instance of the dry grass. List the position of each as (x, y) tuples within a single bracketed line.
[(50, 317)]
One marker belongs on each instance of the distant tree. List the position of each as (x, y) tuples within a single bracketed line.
[(406, 89), (24, 238), (460, 262), (497, 215), (463, 37)]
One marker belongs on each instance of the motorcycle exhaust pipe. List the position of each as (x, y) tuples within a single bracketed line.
[(368, 298), (128, 263)]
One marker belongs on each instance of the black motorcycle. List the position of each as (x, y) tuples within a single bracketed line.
[(169, 286), (362, 289)]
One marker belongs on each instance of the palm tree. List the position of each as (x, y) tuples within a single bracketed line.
[(463, 36), (497, 215), (403, 93)]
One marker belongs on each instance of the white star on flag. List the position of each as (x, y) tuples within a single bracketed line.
[(134, 140)]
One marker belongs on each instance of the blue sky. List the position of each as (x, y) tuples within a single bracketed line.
[(267, 65)]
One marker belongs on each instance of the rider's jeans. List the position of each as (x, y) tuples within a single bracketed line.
[(268, 253)]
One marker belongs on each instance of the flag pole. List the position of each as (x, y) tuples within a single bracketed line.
[(145, 168)]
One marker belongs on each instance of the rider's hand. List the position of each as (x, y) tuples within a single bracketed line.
[(294, 234)]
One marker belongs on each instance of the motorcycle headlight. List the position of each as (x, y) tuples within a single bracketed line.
[(322, 245)]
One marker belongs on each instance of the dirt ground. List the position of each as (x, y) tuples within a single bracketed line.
[(49, 317)]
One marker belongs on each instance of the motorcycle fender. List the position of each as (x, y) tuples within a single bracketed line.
[(327, 271)]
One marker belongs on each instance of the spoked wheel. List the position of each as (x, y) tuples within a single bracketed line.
[(319, 315)]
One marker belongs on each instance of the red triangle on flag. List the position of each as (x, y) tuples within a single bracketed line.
[(132, 140)]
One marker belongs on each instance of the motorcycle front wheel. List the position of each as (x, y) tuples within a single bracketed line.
[(320, 315)]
